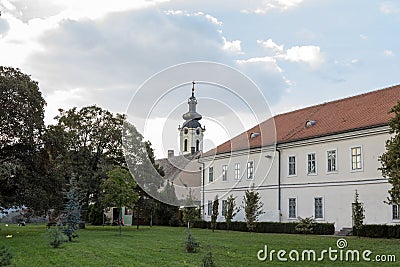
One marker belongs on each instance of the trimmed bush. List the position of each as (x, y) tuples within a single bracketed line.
[(380, 230), (269, 227)]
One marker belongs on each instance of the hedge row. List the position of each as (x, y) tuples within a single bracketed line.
[(378, 230), (269, 227)]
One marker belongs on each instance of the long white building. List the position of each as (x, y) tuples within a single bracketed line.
[(309, 162)]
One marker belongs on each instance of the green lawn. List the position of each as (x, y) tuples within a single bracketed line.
[(164, 246)]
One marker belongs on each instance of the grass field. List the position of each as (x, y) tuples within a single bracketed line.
[(164, 246)]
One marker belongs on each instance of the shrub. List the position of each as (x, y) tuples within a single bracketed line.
[(269, 227), (208, 260), (191, 244), (380, 230), (305, 225), (5, 256), (56, 237)]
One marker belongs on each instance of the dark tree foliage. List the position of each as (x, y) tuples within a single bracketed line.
[(390, 160), (215, 213), (86, 143), (21, 130)]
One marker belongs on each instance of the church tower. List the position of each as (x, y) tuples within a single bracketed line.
[(191, 132)]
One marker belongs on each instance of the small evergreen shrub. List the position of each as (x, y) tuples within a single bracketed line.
[(56, 237), (208, 260), (191, 244), (5, 256)]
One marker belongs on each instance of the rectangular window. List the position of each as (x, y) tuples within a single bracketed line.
[(292, 208), (224, 205), (237, 171), (331, 157), (224, 172), (395, 212), (250, 170), (311, 164), (356, 158), (292, 165), (318, 208), (210, 174), (210, 204)]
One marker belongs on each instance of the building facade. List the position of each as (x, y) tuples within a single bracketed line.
[(309, 162)]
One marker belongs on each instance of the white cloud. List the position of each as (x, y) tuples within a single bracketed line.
[(268, 62), (208, 17), (388, 53), (309, 54), (271, 45), (233, 46), (389, 8), (364, 37), (267, 5)]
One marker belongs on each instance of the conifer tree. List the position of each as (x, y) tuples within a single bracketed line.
[(252, 208), (72, 211), (358, 213), (214, 214), (231, 211)]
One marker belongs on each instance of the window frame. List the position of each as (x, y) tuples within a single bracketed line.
[(224, 173), (295, 208), (322, 209), (224, 205), (336, 161), (397, 208), (250, 166), (361, 168), (209, 207), (211, 171), (289, 166), (315, 164), (237, 172)]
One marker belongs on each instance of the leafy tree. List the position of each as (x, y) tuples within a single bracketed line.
[(358, 213), (72, 211), (215, 213), (119, 189), (252, 208), (21, 128), (86, 144), (390, 160), (231, 211)]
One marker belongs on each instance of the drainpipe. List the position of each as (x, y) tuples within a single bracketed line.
[(279, 185)]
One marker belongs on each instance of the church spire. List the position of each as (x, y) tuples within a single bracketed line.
[(192, 113)]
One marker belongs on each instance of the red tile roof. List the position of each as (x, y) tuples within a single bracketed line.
[(348, 114)]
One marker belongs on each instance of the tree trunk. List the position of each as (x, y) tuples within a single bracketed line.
[(120, 220)]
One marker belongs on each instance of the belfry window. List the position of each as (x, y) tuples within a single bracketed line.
[(197, 145), (185, 145)]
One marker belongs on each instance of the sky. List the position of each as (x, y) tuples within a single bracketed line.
[(282, 54)]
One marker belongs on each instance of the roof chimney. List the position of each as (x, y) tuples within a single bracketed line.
[(170, 153)]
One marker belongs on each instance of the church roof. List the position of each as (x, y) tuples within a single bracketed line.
[(349, 114), (191, 124)]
